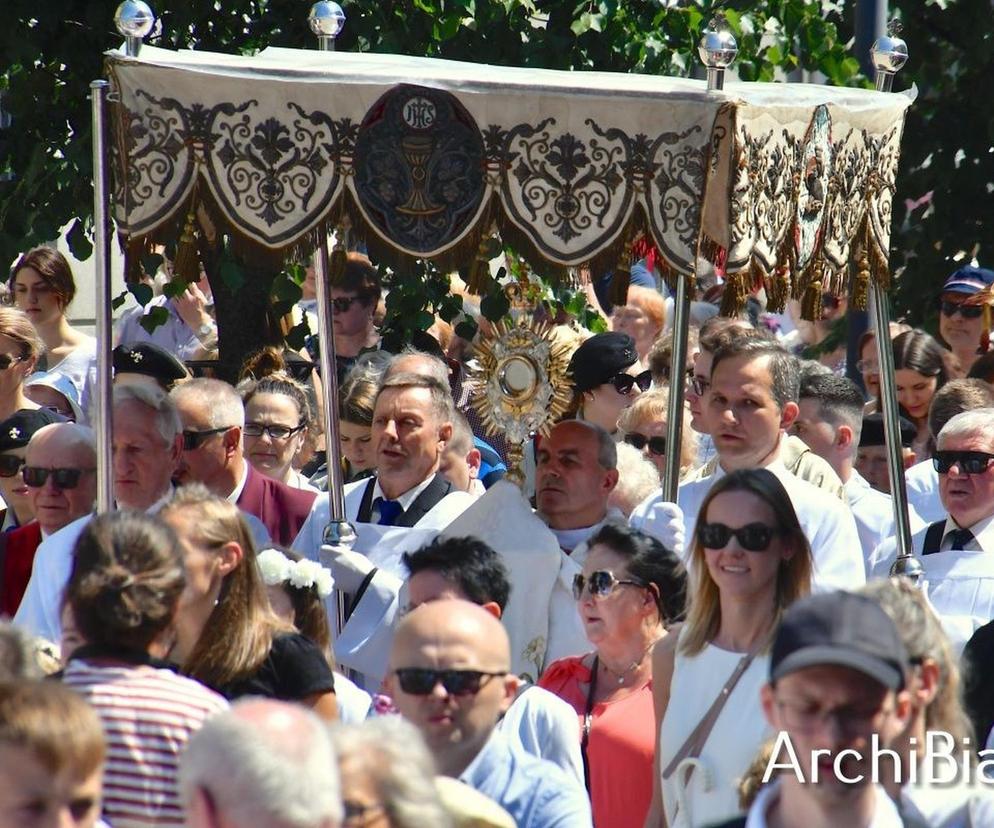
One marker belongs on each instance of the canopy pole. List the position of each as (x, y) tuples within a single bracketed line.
[(674, 411), (102, 410)]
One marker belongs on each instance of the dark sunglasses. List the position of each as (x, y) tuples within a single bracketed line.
[(343, 303), (10, 464), (6, 360), (35, 477), (700, 386), (193, 440), (600, 584), (624, 383), (966, 311), (275, 432), (417, 681), (969, 462), (657, 445), (755, 537)]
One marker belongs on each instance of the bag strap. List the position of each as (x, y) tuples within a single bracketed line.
[(695, 742)]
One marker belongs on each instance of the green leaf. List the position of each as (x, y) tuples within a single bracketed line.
[(118, 301), (79, 244), (143, 293), (494, 306), (467, 329), (151, 263), (174, 287), (153, 318), (232, 275)]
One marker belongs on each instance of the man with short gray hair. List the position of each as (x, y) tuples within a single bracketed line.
[(263, 763), (957, 552)]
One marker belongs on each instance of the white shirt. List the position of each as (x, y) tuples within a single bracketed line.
[(873, 512), (827, 523), (885, 813), (545, 726), (921, 482)]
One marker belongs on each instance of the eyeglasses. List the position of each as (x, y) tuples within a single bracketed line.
[(624, 383), (417, 681), (700, 386), (600, 584), (657, 445), (358, 813), (10, 464), (868, 366), (966, 311), (851, 721), (6, 360), (343, 303), (275, 432), (192, 440), (35, 477), (755, 537), (969, 462)]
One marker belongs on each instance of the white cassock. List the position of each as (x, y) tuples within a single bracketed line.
[(873, 512), (827, 524), (958, 583), (921, 482), (39, 613)]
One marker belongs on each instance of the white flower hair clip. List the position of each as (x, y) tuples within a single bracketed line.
[(277, 569)]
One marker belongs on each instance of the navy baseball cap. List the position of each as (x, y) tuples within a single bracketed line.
[(969, 280)]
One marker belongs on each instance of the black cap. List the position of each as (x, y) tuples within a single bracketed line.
[(600, 358), (18, 429), (873, 431), (151, 361), (842, 629)]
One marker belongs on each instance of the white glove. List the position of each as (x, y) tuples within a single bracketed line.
[(349, 569), (664, 521)]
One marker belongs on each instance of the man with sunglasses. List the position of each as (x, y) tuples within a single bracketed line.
[(450, 676), (213, 423), (964, 313), (60, 472), (957, 552)]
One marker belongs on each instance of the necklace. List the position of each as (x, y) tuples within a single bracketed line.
[(621, 675)]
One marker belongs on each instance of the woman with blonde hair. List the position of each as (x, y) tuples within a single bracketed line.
[(20, 350), (227, 635), (641, 317), (643, 425), (749, 561)]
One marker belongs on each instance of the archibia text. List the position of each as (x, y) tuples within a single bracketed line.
[(939, 761)]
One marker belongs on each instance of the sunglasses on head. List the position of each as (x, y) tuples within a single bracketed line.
[(10, 464), (275, 432), (657, 445), (755, 537), (193, 440), (417, 681), (624, 383), (600, 584), (6, 360), (35, 477), (966, 311), (969, 462), (343, 303)]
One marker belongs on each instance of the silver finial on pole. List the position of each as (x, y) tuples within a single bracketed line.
[(327, 21), (889, 54), (717, 49), (134, 20)]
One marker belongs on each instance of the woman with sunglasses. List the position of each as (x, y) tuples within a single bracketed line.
[(20, 350), (748, 562), (643, 425), (354, 299), (227, 635), (607, 378), (631, 588), (964, 314), (277, 416), (921, 367)]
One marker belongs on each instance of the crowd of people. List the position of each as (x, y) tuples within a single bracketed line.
[(573, 652)]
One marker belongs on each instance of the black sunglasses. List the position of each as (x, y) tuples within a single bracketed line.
[(969, 462), (700, 386), (624, 383), (343, 303), (417, 681), (10, 464), (755, 537), (966, 311), (6, 360), (193, 440), (275, 432), (35, 477), (601, 583), (657, 445)]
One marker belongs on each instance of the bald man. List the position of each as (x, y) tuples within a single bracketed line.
[(450, 676)]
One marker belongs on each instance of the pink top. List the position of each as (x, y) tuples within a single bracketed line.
[(621, 745)]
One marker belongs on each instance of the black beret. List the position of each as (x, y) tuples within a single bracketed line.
[(18, 429), (600, 358), (873, 431), (150, 360)]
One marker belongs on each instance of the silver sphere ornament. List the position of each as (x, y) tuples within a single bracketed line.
[(326, 20), (908, 566), (134, 19), (717, 49), (889, 54)]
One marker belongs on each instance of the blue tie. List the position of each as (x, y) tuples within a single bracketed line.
[(961, 537), (389, 511)]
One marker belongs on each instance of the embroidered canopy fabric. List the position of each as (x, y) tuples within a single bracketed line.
[(426, 157)]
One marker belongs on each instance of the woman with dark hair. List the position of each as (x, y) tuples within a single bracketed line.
[(921, 368), (121, 597), (749, 561), (630, 590), (227, 635), (607, 378), (42, 285), (355, 423)]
